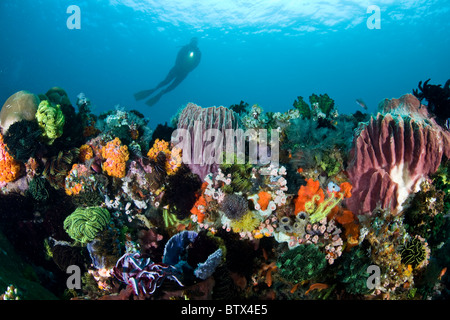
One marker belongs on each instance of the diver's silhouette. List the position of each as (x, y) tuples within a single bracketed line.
[(188, 59)]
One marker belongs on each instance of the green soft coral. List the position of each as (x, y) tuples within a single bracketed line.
[(302, 107), (325, 103), (84, 223), (51, 120), (304, 262)]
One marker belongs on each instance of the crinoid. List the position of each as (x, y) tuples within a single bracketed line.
[(415, 252), (57, 167), (438, 98)]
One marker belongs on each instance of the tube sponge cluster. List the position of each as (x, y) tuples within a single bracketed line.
[(116, 156), (51, 120), (9, 168), (84, 223)]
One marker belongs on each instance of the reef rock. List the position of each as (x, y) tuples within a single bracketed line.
[(393, 154), (197, 120), (20, 106)]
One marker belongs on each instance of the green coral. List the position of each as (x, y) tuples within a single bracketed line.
[(304, 262), (320, 102), (441, 181), (425, 216), (51, 120), (325, 103), (22, 139), (84, 223), (352, 271), (38, 189), (330, 162), (302, 107)]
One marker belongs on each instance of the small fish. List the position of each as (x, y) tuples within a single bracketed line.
[(317, 286), (443, 271), (361, 103)]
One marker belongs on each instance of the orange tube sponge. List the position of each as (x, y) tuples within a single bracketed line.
[(264, 198), (9, 168), (116, 156), (199, 209), (306, 194)]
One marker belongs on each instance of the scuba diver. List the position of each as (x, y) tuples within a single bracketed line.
[(187, 60)]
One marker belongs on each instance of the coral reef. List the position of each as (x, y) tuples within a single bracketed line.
[(132, 208)]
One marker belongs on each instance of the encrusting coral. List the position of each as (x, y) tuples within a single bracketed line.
[(115, 155), (9, 167)]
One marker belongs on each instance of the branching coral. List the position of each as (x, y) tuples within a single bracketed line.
[(84, 223), (116, 155), (322, 110), (9, 167), (51, 120)]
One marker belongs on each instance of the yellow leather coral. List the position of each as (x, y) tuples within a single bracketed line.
[(116, 156), (9, 168), (173, 157)]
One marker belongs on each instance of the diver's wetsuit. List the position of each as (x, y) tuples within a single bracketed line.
[(187, 60)]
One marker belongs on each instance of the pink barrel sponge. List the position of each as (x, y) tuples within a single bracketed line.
[(393, 154)]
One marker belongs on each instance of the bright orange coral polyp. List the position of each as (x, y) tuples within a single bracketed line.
[(9, 167), (116, 156)]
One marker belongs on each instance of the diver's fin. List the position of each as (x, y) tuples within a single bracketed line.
[(155, 99), (143, 94)]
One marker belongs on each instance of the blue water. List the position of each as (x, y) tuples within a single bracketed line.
[(264, 52)]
